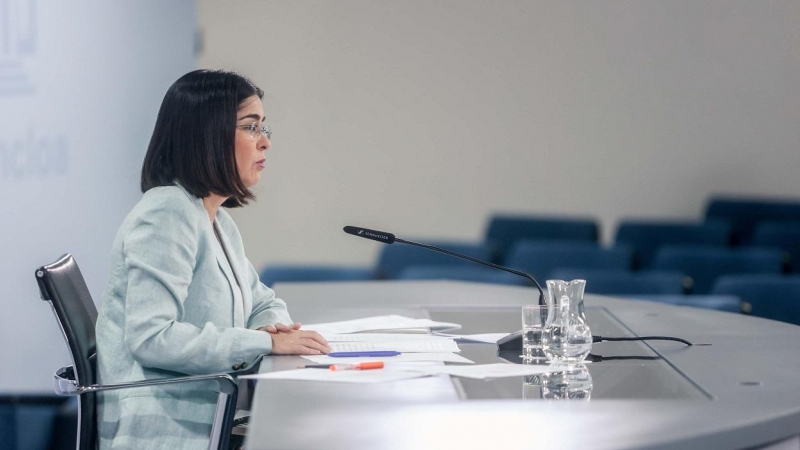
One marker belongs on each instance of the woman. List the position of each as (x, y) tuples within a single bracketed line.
[(182, 298)]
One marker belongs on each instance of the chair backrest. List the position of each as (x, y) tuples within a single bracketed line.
[(397, 257), (771, 296), (647, 237), (476, 274), (541, 258), (729, 303), (277, 273), (505, 230), (61, 283), (744, 213), (783, 235), (705, 264), (624, 282)]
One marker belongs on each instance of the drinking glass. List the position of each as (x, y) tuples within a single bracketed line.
[(534, 321)]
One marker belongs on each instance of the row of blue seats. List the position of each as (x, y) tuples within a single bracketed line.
[(646, 237), (542, 259), (771, 296), (745, 214), (680, 270)]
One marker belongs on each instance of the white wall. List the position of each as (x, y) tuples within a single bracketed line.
[(423, 117), (80, 87)]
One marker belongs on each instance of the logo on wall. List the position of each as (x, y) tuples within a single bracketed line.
[(17, 45)]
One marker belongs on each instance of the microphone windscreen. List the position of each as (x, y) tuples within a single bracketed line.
[(380, 236)]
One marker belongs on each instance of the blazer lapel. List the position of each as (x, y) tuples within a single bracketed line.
[(236, 290)]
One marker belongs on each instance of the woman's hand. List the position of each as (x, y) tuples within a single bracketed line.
[(280, 327), (297, 342)]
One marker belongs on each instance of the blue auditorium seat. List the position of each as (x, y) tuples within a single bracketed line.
[(783, 235), (397, 257), (745, 213), (705, 264), (476, 274), (729, 303), (624, 282), (647, 237), (771, 296), (505, 230), (541, 258)]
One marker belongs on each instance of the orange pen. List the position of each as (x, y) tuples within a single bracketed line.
[(359, 366)]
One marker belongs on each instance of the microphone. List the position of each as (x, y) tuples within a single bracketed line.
[(389, 238), (380, 236)]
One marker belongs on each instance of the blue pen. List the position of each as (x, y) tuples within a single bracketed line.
[(360, 354)]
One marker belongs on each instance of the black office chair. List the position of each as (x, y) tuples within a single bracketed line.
[(62, 284)]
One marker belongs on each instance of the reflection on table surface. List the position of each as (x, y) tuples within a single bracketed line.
[(628, 370)]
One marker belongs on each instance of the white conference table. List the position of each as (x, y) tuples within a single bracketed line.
[(741, 391)]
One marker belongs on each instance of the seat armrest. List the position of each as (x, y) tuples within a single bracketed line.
[(65, 384)]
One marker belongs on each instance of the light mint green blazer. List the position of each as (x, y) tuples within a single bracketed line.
[(172, 307)]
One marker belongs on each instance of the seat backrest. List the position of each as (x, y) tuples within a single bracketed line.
[(505, 230), (771, 296), (541, 258), (729, 303), (783, 235), (624, 282), (745, 213), (397, 257), (475, 273), (61, 283), (705, 264), (646, 237)]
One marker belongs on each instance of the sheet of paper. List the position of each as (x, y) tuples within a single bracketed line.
[(383, 337), (483, 371), (405, 357), (486, 338), (341, 376), (409, 346), (391, 322)]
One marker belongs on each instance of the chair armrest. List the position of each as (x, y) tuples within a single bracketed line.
[(248, 368), (64, 383)]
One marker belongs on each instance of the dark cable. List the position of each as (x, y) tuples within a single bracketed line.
[(598, 358), (640, 338)]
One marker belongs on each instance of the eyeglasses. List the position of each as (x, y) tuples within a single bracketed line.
[(255, 130)]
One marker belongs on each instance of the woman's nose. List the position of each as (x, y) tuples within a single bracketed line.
[(264, 143)]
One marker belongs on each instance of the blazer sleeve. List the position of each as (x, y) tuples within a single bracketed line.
[(267, 309), (160, 253)]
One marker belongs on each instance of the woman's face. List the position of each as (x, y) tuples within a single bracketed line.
[(250, 152)]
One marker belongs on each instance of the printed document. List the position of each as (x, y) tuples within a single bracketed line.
[(340, 376), (390, 360), (390, 322)]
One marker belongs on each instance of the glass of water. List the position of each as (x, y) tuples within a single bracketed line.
[(535, 318)]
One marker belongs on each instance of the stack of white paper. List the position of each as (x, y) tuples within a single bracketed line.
[(398, 343), (403, 371), (420, 354), (485, 338), (377, 323), (341, 376), (405, 357)]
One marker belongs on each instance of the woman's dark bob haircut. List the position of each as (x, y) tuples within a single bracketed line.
[(193, 140)]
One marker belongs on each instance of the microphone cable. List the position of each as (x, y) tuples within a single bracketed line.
[(640, 338)]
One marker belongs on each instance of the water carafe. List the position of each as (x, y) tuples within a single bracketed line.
[(567, 338)]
